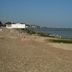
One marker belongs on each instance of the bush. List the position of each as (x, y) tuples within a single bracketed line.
[(1, 24), (29, 31), (61, 40), (43, 34)]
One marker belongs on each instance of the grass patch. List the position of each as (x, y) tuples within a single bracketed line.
[(31, 31), (42, 34), (61, 40)]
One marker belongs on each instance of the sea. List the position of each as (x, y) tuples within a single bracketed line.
[(62, 32)]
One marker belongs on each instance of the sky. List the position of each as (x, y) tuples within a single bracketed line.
[(49, 13)]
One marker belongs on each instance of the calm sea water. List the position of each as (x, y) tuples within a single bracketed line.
[(64, 32)]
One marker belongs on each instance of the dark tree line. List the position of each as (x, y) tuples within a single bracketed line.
[(8, 23), (1, 24)]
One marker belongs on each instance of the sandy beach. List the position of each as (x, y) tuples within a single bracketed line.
[(20, 52)]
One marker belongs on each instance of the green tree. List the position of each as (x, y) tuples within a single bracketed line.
[(1, 24), (8, 23)]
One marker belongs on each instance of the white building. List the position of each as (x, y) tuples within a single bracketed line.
[(17, 25)]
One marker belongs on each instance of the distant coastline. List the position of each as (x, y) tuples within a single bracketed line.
[(63, 32)]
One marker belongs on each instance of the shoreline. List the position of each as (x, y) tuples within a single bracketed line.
[(26, 36)]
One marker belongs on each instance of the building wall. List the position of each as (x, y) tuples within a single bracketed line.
[(17, 25)]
